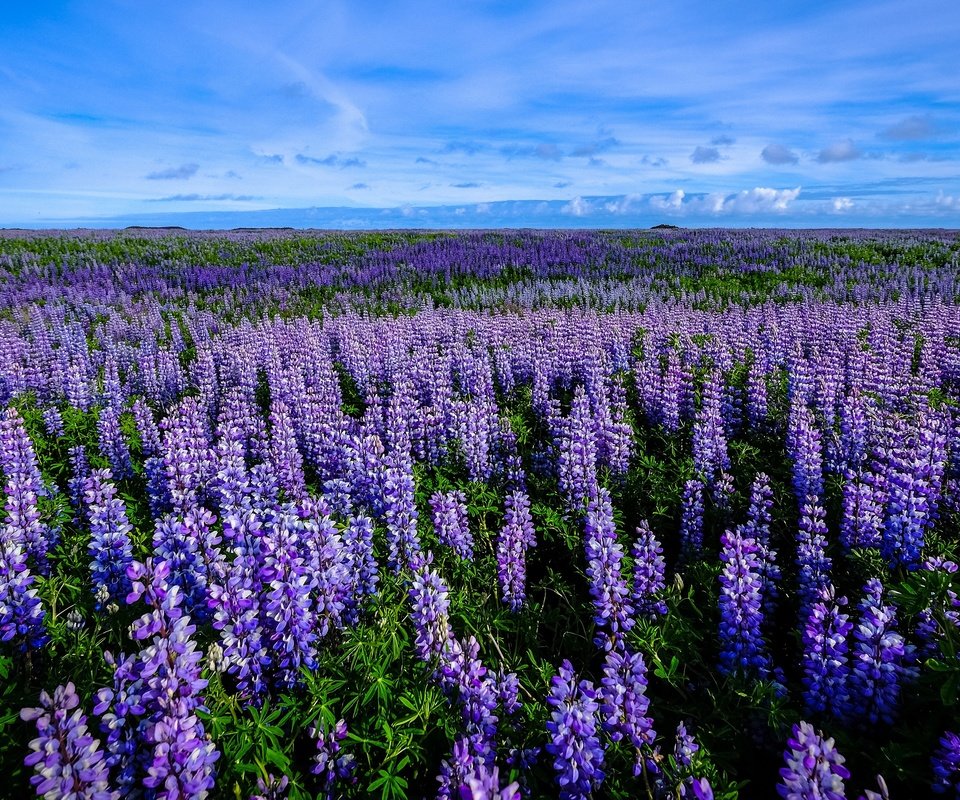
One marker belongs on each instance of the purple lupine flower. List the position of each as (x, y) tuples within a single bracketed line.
[(515, 538), (330, 766), (21, 612), (463, 676), (624, 702), (864, 502), (358, 541), (285, 457), (271, 789), (450, 522), (576, 449), (76, 483), (613, 612), (400, 513), (120, 709), (946, 766), (110, 547), (236, 614), (805, 448), (430, 601), (685, 747), (53, 422), (826, 667), (915, 466), (649, 573), (190, 545), (574, 741), (882, 661), (709, 436), (286, 605), (483, 783), (813, 564), (169, 665), (691, 520), (814, 768), (113, 446), (66, 757), (742, 646), (757, 526), (23, 484)]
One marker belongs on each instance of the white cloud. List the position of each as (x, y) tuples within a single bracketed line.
[(759, 199), (842, 203), (671, 202), (578, 207)]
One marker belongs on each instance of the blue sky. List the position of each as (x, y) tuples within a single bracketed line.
[(526, 113)]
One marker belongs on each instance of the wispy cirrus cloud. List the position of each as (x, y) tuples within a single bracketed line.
[(332, 160), (839, 151), (181, 173), (205, 198)]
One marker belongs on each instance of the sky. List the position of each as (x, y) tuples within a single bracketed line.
[(369, 113)]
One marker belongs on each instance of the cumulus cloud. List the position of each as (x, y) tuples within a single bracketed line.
[(578, 207), (761, 198), (332, 160), (778, 154), (668, 202), (842, 203), (722, 140), (653, 161), (705, 155), (910, 129), (839, 151), (181, 173), (561, 184)]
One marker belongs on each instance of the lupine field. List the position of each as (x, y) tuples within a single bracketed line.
[(655, 514)]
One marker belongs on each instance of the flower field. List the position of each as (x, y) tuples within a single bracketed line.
[(647, 514)]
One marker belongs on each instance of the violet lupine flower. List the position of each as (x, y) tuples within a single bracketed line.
[(685, 747), (882, 661), (23, 485), (691, 520), (864, 503), (826, 667), (358, 541), (21, 612), (757, 526), (709, 435), (576, 449), (169, 666), (915, 467), (451, 524), (515, 538), (483, 783), (806, 450), (53, 422), (120, 709), (285, 457), (613, 612), (190, 545), (66, 756), (110, 548), (742, 646), (329, 764), (286, 604), (430, 613), (814, 768), (463, 676), (574, 740), (649, 573), (113, 446), (271, 789), (946, 766), (624, 702), (76, 483), (236, 614), (400, 513), (813, 564)]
